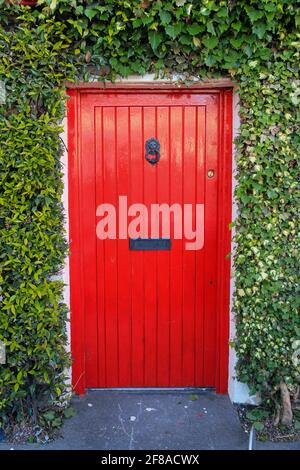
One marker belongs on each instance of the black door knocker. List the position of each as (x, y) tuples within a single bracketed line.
[(152, 148)]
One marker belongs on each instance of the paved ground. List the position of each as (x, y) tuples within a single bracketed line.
[(152, 420)]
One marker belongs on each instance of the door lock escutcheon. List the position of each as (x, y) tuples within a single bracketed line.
[(211, 173)]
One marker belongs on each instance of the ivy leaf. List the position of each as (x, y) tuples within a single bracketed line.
[(204, 11), (155, 38), (236, 25), (253, 13), (79, 10), (136, 23), (222, 12), (237, 42), (56, 423), (210, 61), (210, 28), (256, 414), (165, 17), (90, 13), (258, 426), (210, 42), (194, 29), (173, 30), (186, 40), (147, 20), (259, 29)]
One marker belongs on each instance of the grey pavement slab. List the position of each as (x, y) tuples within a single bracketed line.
[(152, 420)]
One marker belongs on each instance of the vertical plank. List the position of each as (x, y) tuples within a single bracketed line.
[(124, 308), (163, 257), (111, 250), (210, 263), (100, 250), (150, 272), (88, 237), (199, 284), (176, 134), (137, 283), (189, 197)]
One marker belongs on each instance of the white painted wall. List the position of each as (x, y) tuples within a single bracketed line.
[(66, 270), (238, 392)]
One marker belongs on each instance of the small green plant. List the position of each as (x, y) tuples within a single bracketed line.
[(194, 397), (256, 417)]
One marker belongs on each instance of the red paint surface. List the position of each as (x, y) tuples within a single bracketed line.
[(149, 318)]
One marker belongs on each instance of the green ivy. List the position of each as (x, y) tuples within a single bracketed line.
[(257, 44)]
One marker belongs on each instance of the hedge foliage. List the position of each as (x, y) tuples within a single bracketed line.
[(256, 43), (32, 245)]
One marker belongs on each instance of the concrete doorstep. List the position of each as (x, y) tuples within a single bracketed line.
[(152, 420)]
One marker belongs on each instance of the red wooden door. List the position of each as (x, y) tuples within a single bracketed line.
[(147, 318)]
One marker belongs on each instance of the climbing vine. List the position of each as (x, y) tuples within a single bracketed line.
[(256, 43)]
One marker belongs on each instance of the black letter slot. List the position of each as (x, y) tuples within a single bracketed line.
[(149, 244)]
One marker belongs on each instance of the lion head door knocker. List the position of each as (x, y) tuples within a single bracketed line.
[(152, 151)]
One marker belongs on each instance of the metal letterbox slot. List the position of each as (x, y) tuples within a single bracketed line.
[(149, 244)]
